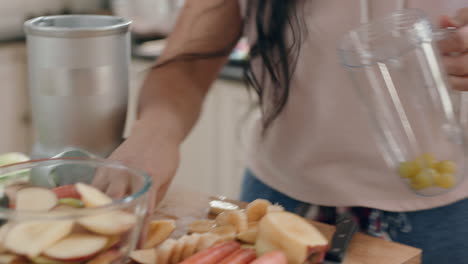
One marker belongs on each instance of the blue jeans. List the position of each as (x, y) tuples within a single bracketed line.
[(442, 233)]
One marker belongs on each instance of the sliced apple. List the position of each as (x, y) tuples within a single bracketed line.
[(227, 232), (144, 256), (165, 251), (76, 247), (11, 259), (91, 196), (190, 246), (77, 203), (66, 191), (256, 209), (32, 237), (112, 223), (236, 218), (107, 257), (44, 260), (207, 240), (35, 199), (158, 231), (201, 226), (3, 233), (176, 256), (291, 234)]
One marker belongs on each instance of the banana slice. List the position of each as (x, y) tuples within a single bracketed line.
[(227, 232), (207, 240), (218, 206), (275, 208), (190, 246), (249, 236), (201, 226), (144, 256), (255, 210), (165, 250), (238, 219), (176, 256), (158, 231)]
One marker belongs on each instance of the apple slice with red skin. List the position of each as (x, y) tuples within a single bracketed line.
[(91, 196), (77, 247), (106, 257), (111, 223), (66, 191), (35, 199)]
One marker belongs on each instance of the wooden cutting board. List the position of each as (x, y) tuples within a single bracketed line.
[(187, 205)]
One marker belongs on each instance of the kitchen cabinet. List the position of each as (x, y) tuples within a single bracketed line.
[(212, 155)]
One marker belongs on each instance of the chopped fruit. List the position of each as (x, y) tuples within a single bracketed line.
[(409, 169), (111, 223), (164, 251), (291, 234), (190, 246), (176, 256), (11, 259), (44, 260), (424, 179), (144, 256), (236, 218), (217, 207), (207, 240), (444, 180), (91, 196), (158, 231), (4, 229), (35, 199), (76, 247), (273, 257), (446, 166), (427, 160), (249, 236), (71, 202), (201, 226), (107, 257), (257, 209), (31, 238), (66, 191), (227, 232), (213, 255)]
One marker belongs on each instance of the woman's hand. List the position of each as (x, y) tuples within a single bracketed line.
[(146, 149), (455, 49)]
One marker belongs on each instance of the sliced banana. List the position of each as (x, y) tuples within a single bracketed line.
[(176, 256), (207, 240), (158, 231), (190, 246), (256, 209), (218, 206), (249, 236), (238, 219), (227, 232), (165, 251), (144, 256), (201, 226)]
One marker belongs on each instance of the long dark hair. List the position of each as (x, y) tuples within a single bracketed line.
[(279, 32)]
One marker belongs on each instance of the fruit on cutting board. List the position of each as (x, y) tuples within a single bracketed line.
[(144, 256), (250, 235), (236, 218), (273, 257), (31, 238), (219, 206), (290, 234), (106, 257), (76, 247), (425, 171), (201, 226), (257, 209), (91, 196), (35, 199), (158, 231), (111, 223)]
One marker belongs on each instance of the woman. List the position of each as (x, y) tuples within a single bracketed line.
[(313, 146)]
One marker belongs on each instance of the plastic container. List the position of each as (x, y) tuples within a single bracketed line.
[(394, 65)]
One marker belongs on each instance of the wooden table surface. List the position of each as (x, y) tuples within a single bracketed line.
[(188, 205)]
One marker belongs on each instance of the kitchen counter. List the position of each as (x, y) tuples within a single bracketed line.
[(188, 205)]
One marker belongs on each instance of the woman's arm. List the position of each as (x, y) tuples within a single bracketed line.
[(173, 92)]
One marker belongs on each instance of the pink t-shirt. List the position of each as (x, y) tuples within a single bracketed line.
[(321, 149)]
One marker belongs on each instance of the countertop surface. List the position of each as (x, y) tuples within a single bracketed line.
[(188, 205)]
